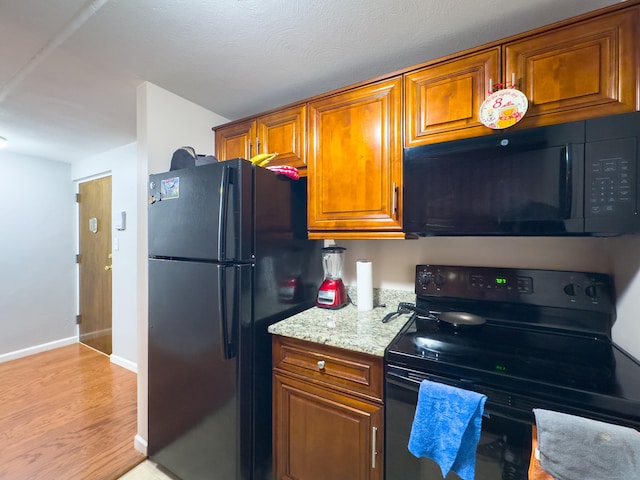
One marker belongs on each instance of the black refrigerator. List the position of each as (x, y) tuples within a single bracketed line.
[(228, 256)]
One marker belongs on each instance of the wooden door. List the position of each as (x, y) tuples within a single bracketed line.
[(236, 141), (323, 435), (285, 132), (442, 101), (95, 264), (587, 69), (355, 161)]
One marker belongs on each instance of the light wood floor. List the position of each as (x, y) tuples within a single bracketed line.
[(67, 414)]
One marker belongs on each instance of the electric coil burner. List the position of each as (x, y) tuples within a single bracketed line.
[(545, 343)]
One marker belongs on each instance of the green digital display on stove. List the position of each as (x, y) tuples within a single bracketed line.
[(501, 281)]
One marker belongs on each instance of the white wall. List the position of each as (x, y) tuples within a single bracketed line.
[(165, 123), (394, 265), (121, 164), (394, 261), (625, 254), (37, 256), (171, 122)]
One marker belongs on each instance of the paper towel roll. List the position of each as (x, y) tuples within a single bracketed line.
[(364, 280)]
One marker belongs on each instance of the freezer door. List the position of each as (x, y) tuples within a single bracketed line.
[(202, 213), (195, 392), (288, 266)]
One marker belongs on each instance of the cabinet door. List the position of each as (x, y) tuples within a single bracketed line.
[(321, 435), (236, 141), (442, 101), (284, 132), (579, 71), (355, 160)]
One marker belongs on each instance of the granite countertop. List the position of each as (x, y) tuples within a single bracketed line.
[(348, 327)]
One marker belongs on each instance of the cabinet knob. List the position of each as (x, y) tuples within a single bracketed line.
[(321, 364)]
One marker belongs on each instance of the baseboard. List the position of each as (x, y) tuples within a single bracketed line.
[(140, 444), (123, 362), (25, 352)]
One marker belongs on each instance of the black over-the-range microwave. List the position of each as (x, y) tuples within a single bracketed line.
[(577, 178)]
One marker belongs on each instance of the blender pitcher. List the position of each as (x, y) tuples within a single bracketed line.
[(331, 293)]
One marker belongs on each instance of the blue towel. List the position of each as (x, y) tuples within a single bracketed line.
[(446, 427)]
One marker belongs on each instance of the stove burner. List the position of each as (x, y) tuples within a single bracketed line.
[(512, 352), (437, 346), (461, 319), (448, 317), (447, 324)]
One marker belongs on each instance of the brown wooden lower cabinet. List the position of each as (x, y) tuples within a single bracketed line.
[(322, 435), (320, 432)]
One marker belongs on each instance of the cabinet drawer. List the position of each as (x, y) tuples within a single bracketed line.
[(348, 371)]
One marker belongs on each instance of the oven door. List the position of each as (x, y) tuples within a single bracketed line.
[(503, 452)]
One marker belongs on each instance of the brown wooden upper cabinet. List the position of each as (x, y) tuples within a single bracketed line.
[(236, 140), (443, 99), (578, 70), (355, 162), (283, 131), (583, 70)]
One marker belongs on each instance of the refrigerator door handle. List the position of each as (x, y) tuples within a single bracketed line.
[(226, 334), (222, 214)]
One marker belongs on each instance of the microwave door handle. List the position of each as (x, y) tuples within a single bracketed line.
[(568, 182)]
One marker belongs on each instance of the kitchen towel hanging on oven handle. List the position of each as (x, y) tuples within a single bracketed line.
[(446, 427), (578, 448)]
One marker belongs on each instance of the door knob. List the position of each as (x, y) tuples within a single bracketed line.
[(108, 267)]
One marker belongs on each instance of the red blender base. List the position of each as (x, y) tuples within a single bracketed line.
[(331, 294)]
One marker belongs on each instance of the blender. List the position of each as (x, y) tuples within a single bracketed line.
[(331, 293)]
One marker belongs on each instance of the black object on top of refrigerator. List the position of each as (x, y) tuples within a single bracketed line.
[(228, 256)]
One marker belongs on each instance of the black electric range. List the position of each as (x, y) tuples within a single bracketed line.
[(545, 341)]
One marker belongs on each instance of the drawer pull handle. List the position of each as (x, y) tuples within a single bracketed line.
[(321, 364), (374, 453)]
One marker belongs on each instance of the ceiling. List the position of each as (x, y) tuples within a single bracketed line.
[(69, 69)]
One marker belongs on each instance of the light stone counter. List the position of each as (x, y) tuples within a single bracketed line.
[(347, 327)]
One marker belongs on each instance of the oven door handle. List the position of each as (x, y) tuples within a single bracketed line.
[(518, 414), (414, 383)]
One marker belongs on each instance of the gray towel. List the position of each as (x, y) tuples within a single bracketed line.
[(576, 448)]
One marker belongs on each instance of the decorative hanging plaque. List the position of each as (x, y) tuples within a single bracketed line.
[(504, 107)]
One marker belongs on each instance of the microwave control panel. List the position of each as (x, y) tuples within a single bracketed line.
[(611, 178)]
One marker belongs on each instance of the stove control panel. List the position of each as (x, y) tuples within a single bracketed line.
[(556, 288), (501, 282)]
